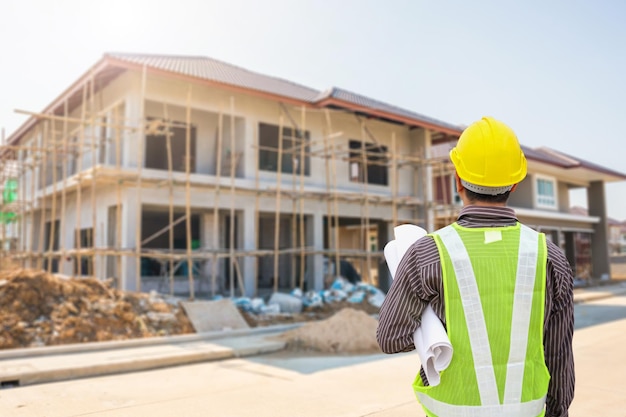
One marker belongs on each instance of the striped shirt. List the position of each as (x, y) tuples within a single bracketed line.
[(419, 281)]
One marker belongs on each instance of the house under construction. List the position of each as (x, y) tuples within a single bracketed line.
[(187, 175)]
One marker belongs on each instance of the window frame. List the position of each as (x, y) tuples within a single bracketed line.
[(376, 162), (84, 264), (268, 150), (538, 198), (155, 146)]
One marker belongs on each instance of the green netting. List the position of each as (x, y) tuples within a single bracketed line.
[(9, 195), (7, 217)]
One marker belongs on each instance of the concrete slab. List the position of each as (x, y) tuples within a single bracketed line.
[(28, 371), (207, 316), (377, 387), (56, 363)]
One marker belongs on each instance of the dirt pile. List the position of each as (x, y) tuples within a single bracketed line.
[(38, 309), (348, 331)]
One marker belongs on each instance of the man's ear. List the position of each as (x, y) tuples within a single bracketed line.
[(457, 180), (514, 187)]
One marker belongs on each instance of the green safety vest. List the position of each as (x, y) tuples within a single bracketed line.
[(494, 287)]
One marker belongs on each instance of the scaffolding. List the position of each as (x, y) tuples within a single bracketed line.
[(76, 152)]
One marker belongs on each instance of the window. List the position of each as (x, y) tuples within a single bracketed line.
[(51, 242), (293, 141), (545, 192), (368, 163), (84, 240), (157, 150), (444, 190)]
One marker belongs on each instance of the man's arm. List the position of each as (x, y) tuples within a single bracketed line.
[(401, 311), (558, 334), (399, 315)]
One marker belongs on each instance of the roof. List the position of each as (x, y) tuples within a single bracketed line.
[(561, 160), (341, 95), (541, 155), (578, 210), (221, 72), (204, 69), (213, 70)]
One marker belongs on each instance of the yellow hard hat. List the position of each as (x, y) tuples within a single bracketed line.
[(488, 156)]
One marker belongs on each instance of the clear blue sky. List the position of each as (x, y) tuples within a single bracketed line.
[(553, 70)]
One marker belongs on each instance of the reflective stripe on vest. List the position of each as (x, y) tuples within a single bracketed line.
[(476, 327), (526, 265), (478, 337), (529, 408)]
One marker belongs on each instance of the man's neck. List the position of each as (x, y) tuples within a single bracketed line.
[(485, 204)]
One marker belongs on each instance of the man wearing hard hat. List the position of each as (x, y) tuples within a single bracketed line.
[(504, 293)]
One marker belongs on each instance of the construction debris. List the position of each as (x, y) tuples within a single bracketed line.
[(40, 309), (211, 316), (312, 305)]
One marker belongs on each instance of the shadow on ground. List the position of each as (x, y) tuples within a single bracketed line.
[(586, 315), (309, 363)]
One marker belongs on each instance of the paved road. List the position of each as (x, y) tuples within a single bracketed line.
[(280, 384)]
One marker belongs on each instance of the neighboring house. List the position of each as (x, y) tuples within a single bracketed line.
[(189, 174), (542, 201), (617, 238), (617, 233), (618, 242)]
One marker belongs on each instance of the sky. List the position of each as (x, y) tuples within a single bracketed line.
[(555, 71)]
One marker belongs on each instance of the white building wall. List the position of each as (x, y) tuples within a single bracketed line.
[(211, 108), (169, 99), (207, 103)]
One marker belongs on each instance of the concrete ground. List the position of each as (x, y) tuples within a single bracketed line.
[(281, 384)]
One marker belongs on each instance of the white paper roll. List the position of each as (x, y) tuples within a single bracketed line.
[(430, 339)]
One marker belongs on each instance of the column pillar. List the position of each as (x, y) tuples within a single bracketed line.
[(250, 152), (315, 263), (129, 224), (596, 201), (249, 244), (385, 234), (570, 249), (421, 141), (130, 138)]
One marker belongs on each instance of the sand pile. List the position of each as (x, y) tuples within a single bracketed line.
[(347, 331), (38, 309)]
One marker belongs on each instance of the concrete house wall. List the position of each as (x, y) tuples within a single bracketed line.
[(253, 226), (128, 99)]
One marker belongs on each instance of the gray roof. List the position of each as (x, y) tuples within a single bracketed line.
[(541, 155), (560, 159), (214, 70), (222, 72), (360, 100), (210, 69)]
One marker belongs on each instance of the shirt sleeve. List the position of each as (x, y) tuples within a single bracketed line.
[(558, 333), (401, 311)]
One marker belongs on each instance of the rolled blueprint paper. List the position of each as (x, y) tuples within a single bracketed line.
[(430, 339), (432, 345)]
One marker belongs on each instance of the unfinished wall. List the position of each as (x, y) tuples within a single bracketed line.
[(159, 184)]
